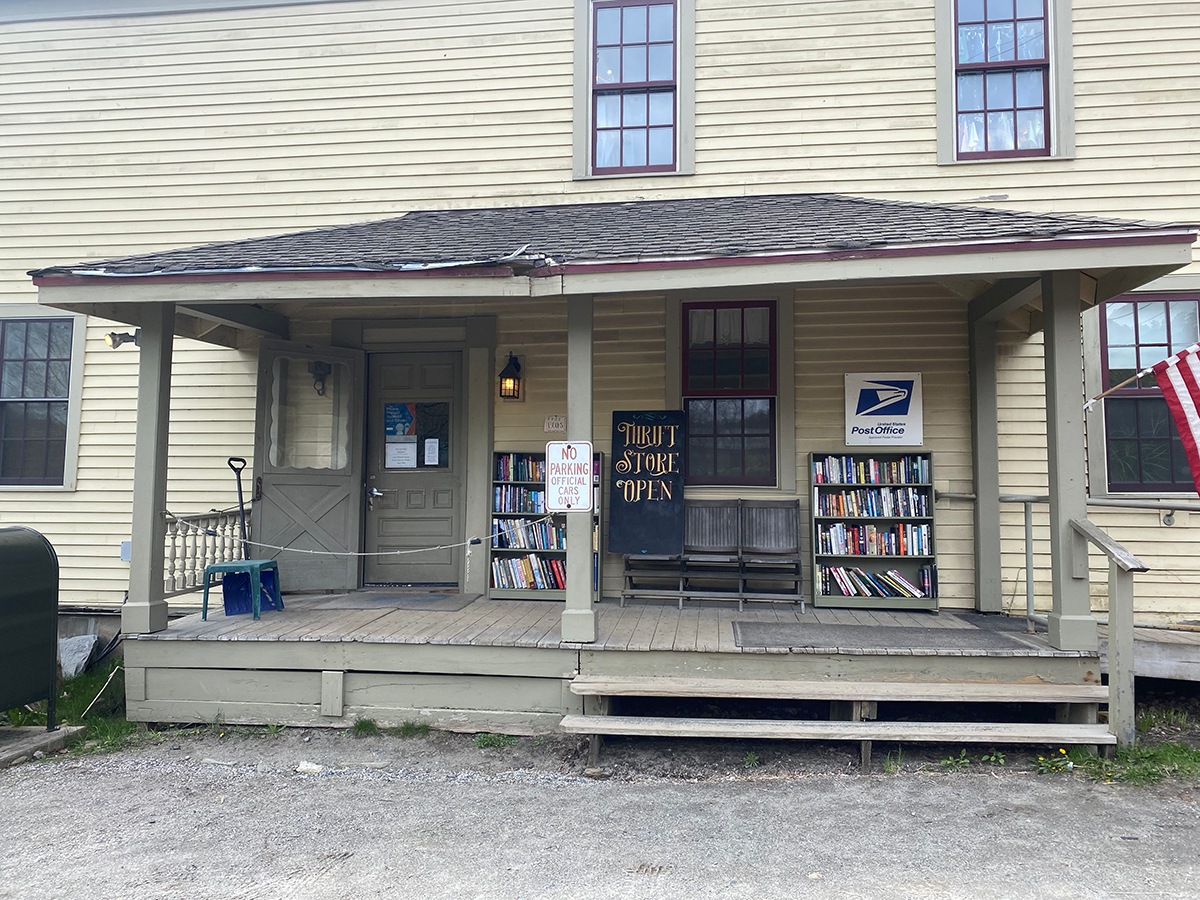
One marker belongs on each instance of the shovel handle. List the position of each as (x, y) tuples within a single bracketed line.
[(237, 464)]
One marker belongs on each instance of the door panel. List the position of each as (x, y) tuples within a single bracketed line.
[(308, 462), (415, 458)]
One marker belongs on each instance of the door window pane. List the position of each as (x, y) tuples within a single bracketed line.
[(309, 413)]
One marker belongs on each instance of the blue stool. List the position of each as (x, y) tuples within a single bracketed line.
[(253, 569)]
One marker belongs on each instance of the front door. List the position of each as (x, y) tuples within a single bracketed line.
[(308, 464), (415, 462)]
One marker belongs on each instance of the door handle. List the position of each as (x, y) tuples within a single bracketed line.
[(372, 493)]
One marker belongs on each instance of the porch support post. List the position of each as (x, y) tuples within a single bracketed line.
[(146, 611), (986, 460), (1072, 626), (579, 619)]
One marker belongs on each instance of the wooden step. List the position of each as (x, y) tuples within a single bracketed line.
[(940, 732), (946, 692)]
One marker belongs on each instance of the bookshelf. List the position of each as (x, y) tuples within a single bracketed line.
[(528, 548), (873, 543)]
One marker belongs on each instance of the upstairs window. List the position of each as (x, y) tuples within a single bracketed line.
[(634, 88), (729, 392), (1002, 78), (1144, 452), (35, 386)]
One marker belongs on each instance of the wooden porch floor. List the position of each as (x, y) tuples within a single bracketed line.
[(698, 628)]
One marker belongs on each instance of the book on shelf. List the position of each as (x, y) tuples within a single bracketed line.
[(849, 581), (885, 502), (908, 469), (530, 573), (527, 534), (519, 467), (508, 498), (901, 539)]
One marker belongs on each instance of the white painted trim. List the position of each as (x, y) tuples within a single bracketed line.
[(685, 95), (1062, 86), (74, 397)]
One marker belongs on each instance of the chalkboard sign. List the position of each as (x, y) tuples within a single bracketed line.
[(646, 510)]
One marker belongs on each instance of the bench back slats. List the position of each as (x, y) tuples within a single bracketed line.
[(770, 526), (710, 526)]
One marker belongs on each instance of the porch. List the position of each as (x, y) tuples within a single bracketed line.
[(503, 665), (600, 297)]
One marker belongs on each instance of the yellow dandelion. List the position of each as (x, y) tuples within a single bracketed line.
[(1061, 750)]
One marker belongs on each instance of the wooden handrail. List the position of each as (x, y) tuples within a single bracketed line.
[(1114, 551), (1121, 566)]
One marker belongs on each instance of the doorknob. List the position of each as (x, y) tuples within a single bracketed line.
[(372, 493)]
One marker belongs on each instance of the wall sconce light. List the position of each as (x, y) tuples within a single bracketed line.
[(319, 371), (510, 379), (115, 339)]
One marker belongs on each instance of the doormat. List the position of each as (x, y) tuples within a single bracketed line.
[(435, 602), (872, 637)]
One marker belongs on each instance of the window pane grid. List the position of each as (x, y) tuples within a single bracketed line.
[(1002, 78), (728, 387), (35, 365), (633, 115), (1144, 451)]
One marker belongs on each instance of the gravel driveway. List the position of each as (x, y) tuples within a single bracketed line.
[(437, 817)]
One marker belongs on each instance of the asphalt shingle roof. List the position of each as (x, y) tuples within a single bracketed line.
[(628, 231)]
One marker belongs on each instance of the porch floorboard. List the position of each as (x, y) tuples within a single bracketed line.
[(644, 627)]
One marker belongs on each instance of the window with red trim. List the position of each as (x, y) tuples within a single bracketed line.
[(729, 392), (634, 97), (1002, 78), (1143, 449)]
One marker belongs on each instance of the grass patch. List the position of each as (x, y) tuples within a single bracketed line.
[(365, 728), (1146, 763), (892, 764), (409, 730), (494, 741), (102, 689), (751, 760), (956, 763)]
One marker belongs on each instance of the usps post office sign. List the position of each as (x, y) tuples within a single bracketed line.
[(884, 409)]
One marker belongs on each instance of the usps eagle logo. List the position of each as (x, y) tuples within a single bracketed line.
[(884, 398)]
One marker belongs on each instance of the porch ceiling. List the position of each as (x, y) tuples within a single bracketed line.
[(636, 247)]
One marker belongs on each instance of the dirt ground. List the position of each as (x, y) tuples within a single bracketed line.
[(224, 813), (293, 814)]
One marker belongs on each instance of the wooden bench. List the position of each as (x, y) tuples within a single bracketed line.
[(732, 550)]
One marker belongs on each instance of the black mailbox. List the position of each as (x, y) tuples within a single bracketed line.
[(28, 620)]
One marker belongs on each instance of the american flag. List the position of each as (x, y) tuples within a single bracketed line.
[(1179, 378)]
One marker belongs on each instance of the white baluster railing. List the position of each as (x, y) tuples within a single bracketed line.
[(195, 541)]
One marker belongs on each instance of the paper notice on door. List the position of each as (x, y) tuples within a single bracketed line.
[(400, 454), (431, 451)]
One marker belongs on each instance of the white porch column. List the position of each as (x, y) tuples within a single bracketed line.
[(1072, 626), (579, 619), (146, 611)]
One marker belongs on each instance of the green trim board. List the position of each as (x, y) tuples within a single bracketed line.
[(872, 530)]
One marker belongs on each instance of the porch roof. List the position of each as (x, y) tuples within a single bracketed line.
[(550, 240)]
